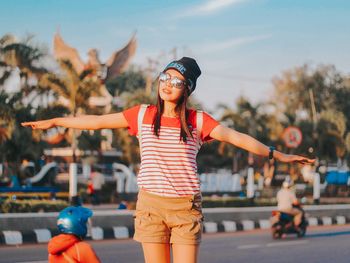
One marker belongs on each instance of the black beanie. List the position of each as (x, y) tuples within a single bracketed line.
[(188, 68)]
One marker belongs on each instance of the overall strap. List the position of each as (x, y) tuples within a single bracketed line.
[(140, 116), (199, 120), (70, 259), (77, 250)]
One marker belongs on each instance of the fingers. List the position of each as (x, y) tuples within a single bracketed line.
[(25, 124), (28, 124), (34, 125), (298, 159), (306, 161)]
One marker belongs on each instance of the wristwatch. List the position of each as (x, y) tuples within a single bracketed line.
[(271, 149)]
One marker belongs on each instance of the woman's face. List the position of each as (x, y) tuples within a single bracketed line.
[(167, 90)]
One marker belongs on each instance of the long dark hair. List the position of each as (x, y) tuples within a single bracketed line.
[(181, 109)]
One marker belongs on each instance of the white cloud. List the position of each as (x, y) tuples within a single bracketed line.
[(229, 44), (209, 7)]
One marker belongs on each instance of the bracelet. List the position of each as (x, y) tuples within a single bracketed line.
[(271, 149)]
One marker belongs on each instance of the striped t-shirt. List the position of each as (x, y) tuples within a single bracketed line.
[(168, 165)]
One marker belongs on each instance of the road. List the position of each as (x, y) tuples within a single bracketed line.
[(322, 244)]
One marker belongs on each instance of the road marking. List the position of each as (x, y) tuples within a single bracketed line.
[(249, 246), (287, 243), (39, 261), (279, 244)]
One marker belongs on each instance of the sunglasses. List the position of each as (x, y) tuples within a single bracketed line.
[(175, 82)]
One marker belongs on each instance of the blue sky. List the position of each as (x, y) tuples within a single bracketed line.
[(240, 45)]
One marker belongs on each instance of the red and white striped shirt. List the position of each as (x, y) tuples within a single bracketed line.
[(168, 165)]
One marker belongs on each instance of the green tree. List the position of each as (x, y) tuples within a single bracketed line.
[(292, 90), (316, 100), (19, 143), (23, 57), (73, 89), (129, 81), (250, 119), (7, 116), (332, 134)]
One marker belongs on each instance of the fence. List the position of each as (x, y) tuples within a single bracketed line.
[(336, 181)]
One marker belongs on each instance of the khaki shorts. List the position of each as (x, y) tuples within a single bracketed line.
[(174, 220)]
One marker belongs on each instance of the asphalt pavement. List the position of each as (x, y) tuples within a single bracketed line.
[(323, 244)]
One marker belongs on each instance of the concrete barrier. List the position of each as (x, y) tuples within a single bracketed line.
[(22, 228)]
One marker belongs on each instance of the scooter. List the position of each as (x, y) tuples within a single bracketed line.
[(283, 223)]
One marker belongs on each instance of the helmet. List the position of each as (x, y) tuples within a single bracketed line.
[(287, 183), (73, 220)]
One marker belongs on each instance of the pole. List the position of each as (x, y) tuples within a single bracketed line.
[(250, 183), (313, 109), (73, 184), (316, 188)]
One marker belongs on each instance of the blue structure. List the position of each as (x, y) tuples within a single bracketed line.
[(337, 177)]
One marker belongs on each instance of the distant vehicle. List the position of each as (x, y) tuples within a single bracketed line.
[(284, 224)]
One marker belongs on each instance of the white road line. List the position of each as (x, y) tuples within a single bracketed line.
[(277, 244), (249, 246), (287, 243)]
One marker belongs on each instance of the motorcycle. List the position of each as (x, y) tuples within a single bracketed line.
[(283, 223)]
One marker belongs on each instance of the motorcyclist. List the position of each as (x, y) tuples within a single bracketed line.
[(288, 203)]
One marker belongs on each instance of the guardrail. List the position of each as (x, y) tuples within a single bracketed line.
[(22, 228)]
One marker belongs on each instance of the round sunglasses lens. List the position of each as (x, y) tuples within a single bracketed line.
[(163, 77), (175, 82)]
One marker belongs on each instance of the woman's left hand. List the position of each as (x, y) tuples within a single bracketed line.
[(289, 158)]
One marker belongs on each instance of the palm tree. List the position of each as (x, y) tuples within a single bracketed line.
[(250, 119), (72, 90), (6, 69), (24, 57), (7, 117), (15, 142)]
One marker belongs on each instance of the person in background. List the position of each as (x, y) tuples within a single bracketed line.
[(287, 202), (69, 246), (90, 191), (98, 181)]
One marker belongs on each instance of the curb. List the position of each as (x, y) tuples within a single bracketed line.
[(40, 236)]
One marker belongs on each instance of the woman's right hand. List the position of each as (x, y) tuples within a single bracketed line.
[(42, 125)]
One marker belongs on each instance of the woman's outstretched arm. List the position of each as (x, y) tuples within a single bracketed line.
[(84, 122), (246, 142)]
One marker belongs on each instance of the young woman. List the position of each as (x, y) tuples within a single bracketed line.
[(168, 212)]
